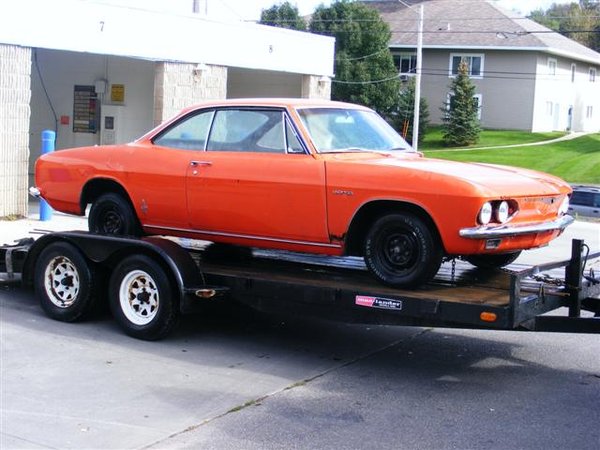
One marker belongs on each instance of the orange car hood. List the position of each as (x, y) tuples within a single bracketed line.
[(488, 179)]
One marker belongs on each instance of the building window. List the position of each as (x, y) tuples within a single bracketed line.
[(551, 66), (549, 109), (474, 62), (592, 74), (573, 72), (477, 101), (406, 62), (589, 112)]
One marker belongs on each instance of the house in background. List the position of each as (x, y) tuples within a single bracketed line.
[(527, 76)]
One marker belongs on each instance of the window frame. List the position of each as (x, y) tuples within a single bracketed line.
[(481, 56), (573, 72), (403, 56), (552, 65), (592, 74)]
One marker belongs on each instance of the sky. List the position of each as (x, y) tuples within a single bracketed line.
[(251, 9)]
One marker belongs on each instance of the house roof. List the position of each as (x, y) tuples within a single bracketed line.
[(474, 24)]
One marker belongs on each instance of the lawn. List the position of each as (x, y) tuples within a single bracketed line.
[(576, 161), (488, 138)]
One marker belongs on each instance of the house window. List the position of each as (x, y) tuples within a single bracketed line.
[(477, 102), (589, 112), (573, 72), (549, 110), (592, 74), (406, 62), (551, 66), (474, 62)]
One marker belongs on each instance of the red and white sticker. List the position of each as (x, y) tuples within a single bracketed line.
[(378, 302)]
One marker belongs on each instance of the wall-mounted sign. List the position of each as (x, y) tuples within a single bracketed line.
[(85, 109), (117, 93)]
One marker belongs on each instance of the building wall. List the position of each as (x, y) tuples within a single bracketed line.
[(562, 98), (506, 88), (246, 83), (179, 85), (15, 93), (316, 87), (61, 71)]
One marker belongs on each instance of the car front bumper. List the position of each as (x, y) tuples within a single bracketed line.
[(502, 231)]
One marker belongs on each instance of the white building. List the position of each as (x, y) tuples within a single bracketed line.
[(106, 74)]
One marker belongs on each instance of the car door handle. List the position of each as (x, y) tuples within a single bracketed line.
[(200, 163)]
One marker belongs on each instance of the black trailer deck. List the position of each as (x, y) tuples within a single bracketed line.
[(560, 296)]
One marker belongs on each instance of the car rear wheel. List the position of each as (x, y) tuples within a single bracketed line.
[(494, 261), (402, 251), (112, 214), (143, 299), (65, 283)]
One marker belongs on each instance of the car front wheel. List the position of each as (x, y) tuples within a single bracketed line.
[(402, 251), (112, 214)]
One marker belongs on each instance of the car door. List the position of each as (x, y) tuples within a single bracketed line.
[(256, 180)]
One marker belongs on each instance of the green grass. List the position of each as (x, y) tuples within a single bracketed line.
[(489, 138), (576, 161)]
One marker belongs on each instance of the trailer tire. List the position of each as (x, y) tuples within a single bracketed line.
[(402, 251), (493, 261), (112, 214), (64, 283), (143, 299)]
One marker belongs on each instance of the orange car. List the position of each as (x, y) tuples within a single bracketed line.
[(311, 176)]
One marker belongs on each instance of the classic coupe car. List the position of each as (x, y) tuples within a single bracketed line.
[(310, 176)]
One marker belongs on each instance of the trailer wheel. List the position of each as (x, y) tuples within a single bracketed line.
[(143, 299), (494, 261), (65, 284), (401, 250), (112, 214)]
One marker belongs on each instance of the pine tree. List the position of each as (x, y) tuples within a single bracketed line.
[(461, 125), (404, 112)]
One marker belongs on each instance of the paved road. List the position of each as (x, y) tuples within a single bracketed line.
[(235, 379)]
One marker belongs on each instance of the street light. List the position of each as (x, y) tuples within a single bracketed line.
[(417, 108)]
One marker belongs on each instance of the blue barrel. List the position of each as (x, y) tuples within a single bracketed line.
[(48, 140)]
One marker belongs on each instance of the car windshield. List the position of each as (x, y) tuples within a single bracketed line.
[(350, 130)]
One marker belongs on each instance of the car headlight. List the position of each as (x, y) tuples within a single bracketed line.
[(502, 212), (485, 214), (564, 207)]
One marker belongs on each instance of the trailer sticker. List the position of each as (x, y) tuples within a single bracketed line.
[(378, 302)]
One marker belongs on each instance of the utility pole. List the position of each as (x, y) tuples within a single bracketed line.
[(417, 111)]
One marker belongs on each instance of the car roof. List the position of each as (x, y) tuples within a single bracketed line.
[(277, 102)]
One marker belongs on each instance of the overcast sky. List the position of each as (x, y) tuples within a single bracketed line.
[(251, 9)]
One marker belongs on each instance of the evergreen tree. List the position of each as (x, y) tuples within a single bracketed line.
[(362, 57), (404, 112), (284, 15), (461, 125)]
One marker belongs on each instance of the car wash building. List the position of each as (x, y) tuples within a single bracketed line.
[(99, 74)]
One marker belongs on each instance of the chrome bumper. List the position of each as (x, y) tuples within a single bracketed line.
[(501, 231)]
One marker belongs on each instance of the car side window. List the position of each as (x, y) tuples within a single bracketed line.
[(293, 143), (189, 134), (582, 198), (238, 130)]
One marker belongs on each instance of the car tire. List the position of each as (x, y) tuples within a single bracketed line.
[(112, 214), (402, 251), (65, 283), (492, 261), (143, 300)]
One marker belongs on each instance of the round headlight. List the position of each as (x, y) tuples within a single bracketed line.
[(564, 207), (502, 212), (485, 214)]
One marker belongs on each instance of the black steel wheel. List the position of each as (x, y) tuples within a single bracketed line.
[(65, 283), (492, 261), (402, 251), (112, 214), (143, 299)]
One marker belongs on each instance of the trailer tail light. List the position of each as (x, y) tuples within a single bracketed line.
[(488, 316)]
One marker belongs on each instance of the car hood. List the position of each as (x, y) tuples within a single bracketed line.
[(489, 179)]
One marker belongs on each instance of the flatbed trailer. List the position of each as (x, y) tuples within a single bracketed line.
[(150, 281)]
